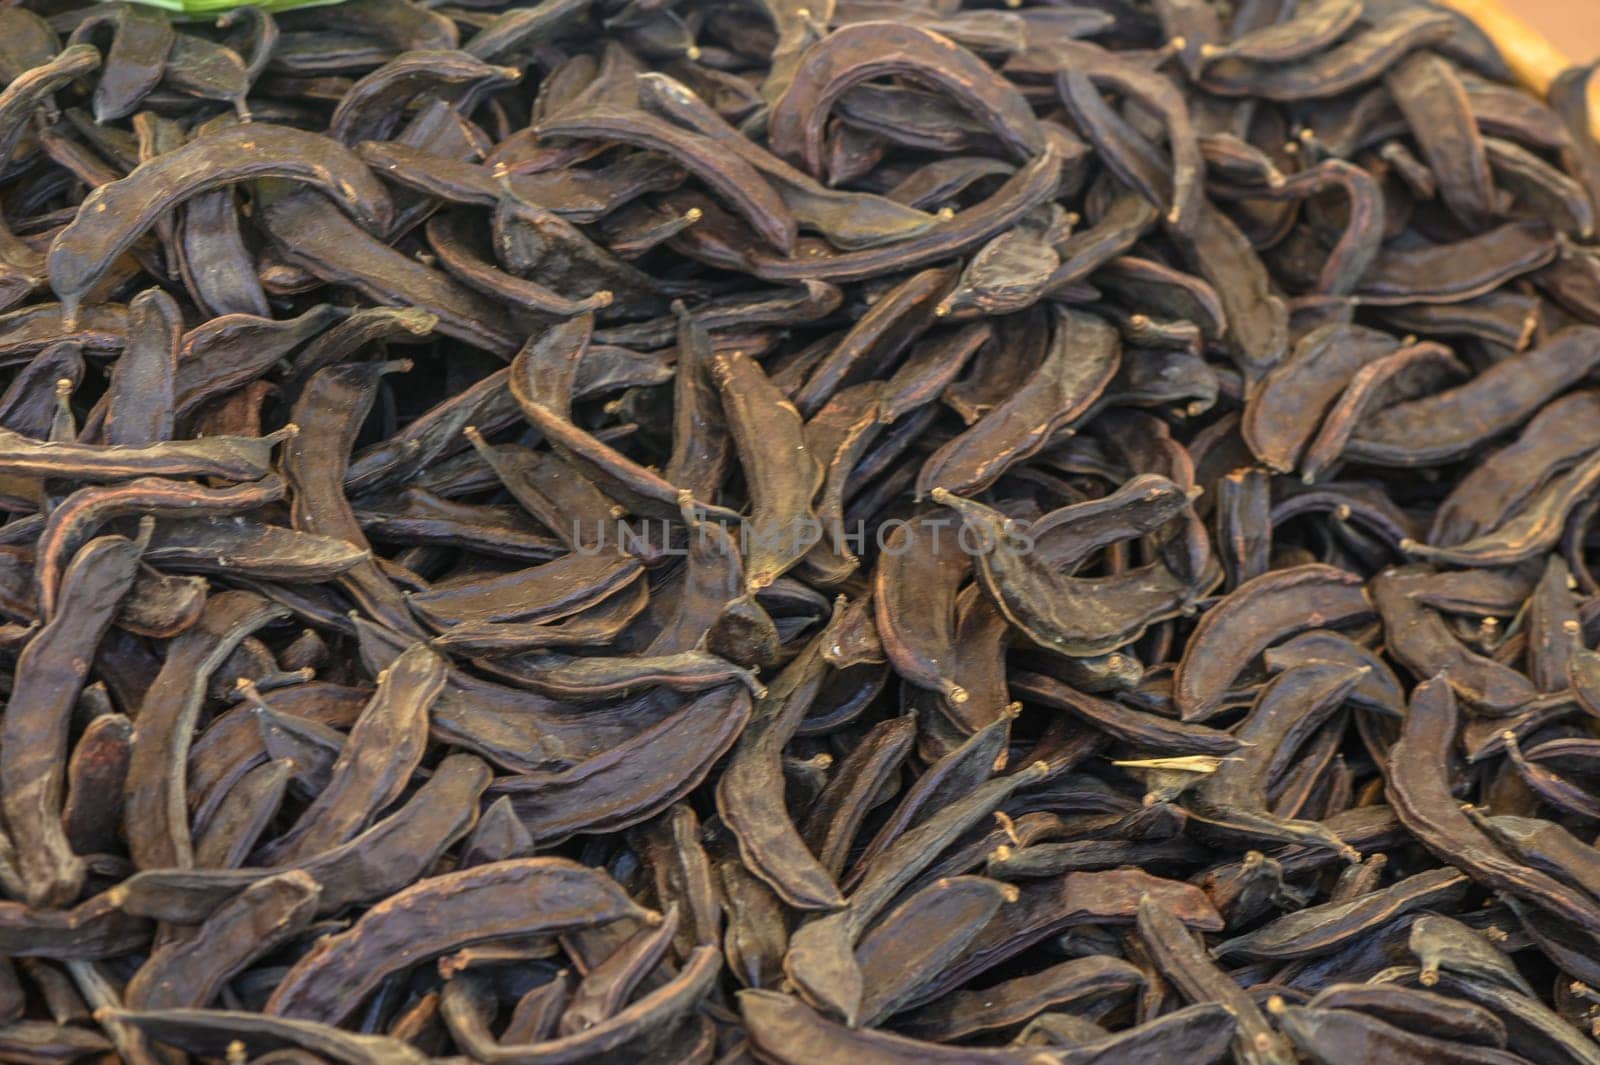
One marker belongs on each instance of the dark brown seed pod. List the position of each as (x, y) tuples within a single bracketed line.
[(124, 209), (900, 532)]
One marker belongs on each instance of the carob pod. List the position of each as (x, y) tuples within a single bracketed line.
[(943, 506)]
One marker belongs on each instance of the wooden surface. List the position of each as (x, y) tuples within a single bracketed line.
[(1573, 24), (1538, 51)]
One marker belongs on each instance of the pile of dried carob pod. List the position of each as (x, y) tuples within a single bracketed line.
[(799, 531)]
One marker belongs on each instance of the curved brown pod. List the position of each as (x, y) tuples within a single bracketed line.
[(1050, 905), (1431, 96), (1536, 529), (251, 924), (579, 678), (1030, 186), (1121, 224), (640, 1024), (1272, 607), (784, 475), (965, 1013), (28, 330), (683, 874), (384, 859), (1232, 804), (1544, 845), (1139, 730), (1069, 537), (750, 792), (197, 66), (398, 24), (1313, 26), (932, 366), (86, 509), (821, 960), (330, 411), (611, 791), (788, 1032), (915, 589), (95, 773), (1350, 502), (548, 591), (313, 234), (448, 237), (511, 29), (1422, 1011), (1416, 783), (135, 61), (1568, 96), (846, 218), (1560, 434), (377, 100), (1242, 514), (260, 40), (375, 765), (1283, 413), (115, 215), (1541, 188), (1447, 425), (1320, 929), (229, 458), (1420, 640), (1555, 790), (157, 812), (898, 318), (1359, 245), (1011, 272), (739, 185), (1397, 377), (33, 738), (1183, 961), (1126, 152), (1338, 1034), (30, 41), (914, 938), (28, 1040), (1461, 270), (542, 379), (1338, 70), (867, 50), (839, 435), (234, 545), (1443, 944), (212, 1032), (140, 403), (1152, 92), (233, 349), (97, 927), (1075, 616), (436, 915), (966, 765), (599, 623), (1083, 357), (27, 89), (836, 812), (1257, 320), (242, 814), (579, 196)]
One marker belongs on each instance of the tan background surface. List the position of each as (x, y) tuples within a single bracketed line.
[(1572, 25)]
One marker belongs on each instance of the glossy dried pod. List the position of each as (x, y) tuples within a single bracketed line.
[(543, 531)]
